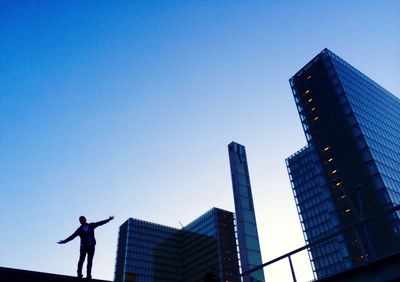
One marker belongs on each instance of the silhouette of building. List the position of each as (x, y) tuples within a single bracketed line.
[(350, 169), (249, 246), (152, 252)]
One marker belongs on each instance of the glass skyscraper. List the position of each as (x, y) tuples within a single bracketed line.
[(350, 169), (249, 246), (150, 252)]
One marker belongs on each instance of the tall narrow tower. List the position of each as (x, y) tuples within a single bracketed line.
[(249, 246)]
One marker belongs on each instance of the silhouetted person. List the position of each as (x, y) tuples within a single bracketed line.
[(86, 232), (211, 275)]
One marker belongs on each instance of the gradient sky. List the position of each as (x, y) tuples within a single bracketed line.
[(126, 108)]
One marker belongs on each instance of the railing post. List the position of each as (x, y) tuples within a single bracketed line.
[(292, 269)]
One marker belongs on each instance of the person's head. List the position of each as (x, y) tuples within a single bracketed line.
[(82, 220)]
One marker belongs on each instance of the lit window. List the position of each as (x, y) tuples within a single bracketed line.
[(338, 184), (330, 160), (308, 77), (334, 171), (327, 148), (313, 109), (309, 100), (307, 91), (343, 197), (316, 118), (347, 211)]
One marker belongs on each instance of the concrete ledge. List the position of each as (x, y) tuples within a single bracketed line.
[(19, 275)]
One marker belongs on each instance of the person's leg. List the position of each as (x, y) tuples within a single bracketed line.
[(90, 262), (82, 256)]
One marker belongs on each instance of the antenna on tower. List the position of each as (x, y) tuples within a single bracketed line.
[(181, 224)]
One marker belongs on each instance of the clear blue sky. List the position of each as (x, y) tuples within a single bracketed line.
[(126, 108)]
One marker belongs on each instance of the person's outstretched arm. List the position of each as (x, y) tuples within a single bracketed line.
[(97, 224), (76, 233)]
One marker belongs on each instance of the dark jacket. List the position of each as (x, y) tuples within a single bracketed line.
[(86, 232)]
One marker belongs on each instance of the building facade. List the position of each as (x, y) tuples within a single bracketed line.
[(147, 252), (219, 249), (317, 212), (150, 252), (249, 246), (350, 169)]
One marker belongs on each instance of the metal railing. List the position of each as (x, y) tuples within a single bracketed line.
[(288, 255)]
